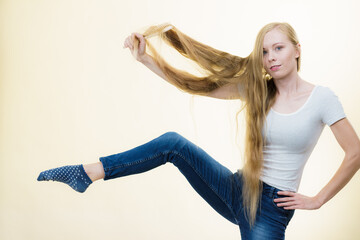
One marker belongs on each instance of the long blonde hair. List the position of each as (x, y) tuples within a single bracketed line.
[(223, 68)]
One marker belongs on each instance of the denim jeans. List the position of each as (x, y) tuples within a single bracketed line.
[(216, 184)]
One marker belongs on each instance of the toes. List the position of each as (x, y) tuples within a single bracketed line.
[(41, 177)]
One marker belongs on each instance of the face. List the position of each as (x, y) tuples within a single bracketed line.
[(278, 51)]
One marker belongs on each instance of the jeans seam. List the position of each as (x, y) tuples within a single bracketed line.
[(135, 162)]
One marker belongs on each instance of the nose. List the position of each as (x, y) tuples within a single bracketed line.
[(270, 56)]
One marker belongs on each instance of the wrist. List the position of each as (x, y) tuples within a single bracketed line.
[(319, 201), (145, 59)]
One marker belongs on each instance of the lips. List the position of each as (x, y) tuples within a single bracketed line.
[(274, 66)]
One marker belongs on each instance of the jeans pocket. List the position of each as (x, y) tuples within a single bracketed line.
[(277, 207)]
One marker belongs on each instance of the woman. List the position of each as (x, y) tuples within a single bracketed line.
[(285, 116)]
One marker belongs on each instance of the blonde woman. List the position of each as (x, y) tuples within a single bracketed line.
[(285, 116)]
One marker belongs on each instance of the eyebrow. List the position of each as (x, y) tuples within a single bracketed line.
[(275, 44)]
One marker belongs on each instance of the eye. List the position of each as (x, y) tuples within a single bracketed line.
[(264, 52), (279, 47)]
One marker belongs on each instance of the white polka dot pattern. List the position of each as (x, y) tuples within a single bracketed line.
[(74, 176)]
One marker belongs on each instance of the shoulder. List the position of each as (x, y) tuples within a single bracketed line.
[(329, 106), (323, 89), (325, 93)]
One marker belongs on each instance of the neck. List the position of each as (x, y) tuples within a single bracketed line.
[(288, 85)]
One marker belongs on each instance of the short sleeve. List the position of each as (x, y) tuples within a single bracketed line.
[(332, 109)]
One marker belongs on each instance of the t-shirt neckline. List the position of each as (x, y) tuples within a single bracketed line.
[(303, 106)]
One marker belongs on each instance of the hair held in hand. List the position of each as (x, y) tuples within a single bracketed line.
[(221, 68)]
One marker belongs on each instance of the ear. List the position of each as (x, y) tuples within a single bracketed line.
[(298, 50)]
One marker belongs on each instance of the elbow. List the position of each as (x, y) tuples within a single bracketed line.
[(357, 162), (354, 157)]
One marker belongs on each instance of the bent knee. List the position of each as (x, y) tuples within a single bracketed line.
[(175, 138), (172, 135)]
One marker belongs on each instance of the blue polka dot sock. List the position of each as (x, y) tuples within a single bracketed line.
[(74, 176)]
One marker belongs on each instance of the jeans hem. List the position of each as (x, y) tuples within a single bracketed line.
[(105, 166)]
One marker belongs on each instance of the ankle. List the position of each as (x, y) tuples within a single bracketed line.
[(95, 171)]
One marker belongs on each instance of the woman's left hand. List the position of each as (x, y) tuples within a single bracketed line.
[(293, 200)]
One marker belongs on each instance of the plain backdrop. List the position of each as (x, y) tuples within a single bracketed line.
[(70, 94)]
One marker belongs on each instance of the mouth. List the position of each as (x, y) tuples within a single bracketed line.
[(275, 67)]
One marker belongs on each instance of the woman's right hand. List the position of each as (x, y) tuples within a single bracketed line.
[(136, 38)]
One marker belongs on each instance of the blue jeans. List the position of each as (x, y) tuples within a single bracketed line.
[(216, 184)]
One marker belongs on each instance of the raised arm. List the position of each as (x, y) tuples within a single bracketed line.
[(149, 62), (228, 91), (141, 55)]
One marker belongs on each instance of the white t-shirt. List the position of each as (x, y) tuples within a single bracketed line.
[(290, 138)]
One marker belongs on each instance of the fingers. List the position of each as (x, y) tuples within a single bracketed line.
[(284, 199), (295, 200), (292, 207), (289, 203), (129, 41), (286, 193), (291, 196), (139, 36)]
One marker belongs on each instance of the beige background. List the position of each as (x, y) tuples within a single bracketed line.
[(70, 94)]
